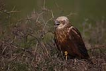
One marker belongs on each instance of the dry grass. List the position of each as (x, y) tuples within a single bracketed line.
[(32, 55)]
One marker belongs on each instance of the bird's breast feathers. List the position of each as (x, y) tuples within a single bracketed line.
[(63, 34)]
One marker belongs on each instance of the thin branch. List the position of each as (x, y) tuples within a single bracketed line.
[(45, 24), (39, 16), (44, 4), (70, 14)]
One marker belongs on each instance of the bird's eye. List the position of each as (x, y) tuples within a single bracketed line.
[(63, 22)]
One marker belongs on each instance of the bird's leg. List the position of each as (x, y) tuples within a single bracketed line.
[(66, 53)]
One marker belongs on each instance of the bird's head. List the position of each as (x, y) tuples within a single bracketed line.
[(61, 22)]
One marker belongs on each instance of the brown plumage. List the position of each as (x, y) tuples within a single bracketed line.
[(68, 39)]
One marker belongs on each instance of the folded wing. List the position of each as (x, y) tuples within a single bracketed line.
[(78, 42)]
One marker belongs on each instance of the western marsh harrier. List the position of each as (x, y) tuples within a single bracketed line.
[(69, 40)]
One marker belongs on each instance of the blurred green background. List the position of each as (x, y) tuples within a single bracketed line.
[(83, 9)]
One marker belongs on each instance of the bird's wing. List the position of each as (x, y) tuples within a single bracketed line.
[(77, 40)]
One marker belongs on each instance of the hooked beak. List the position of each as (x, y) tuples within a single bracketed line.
[(56, 24)]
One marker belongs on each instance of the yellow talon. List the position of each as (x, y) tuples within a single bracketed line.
[(66, 53)]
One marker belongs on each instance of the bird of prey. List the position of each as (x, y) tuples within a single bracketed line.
[(69, 40)]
